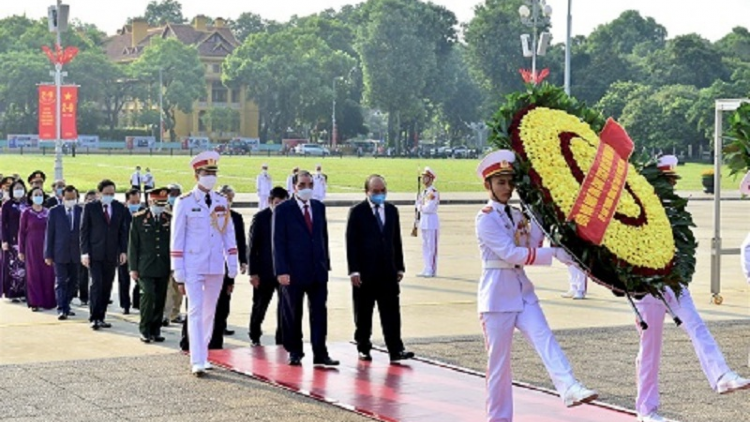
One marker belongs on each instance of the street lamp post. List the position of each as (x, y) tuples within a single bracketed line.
[(568, 48), (333, 115), (530, 16), (59, 15)]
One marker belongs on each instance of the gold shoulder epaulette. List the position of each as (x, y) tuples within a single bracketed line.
[(185, 195), (487, 209), (140, 213)]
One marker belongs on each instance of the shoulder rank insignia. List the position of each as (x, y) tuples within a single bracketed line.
[(140, 213), (487, 209), (185, 195)]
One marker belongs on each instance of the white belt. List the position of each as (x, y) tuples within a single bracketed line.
[(496, 264)]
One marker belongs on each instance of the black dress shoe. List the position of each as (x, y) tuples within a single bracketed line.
[(295, 360), (34, 309), (165, 322), (255, 343), (126, 311), (62, 317), (178, 320), (157, 338), (14, 300), (365, 356), (402, 355), (327, 361), (228, 332), (71, 313), (103, 324), (95, 325), (145, 339)]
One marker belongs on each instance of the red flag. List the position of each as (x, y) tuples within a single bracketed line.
[(47, 112), (68, 111)]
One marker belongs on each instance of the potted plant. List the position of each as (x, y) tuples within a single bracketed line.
[(707, 178)]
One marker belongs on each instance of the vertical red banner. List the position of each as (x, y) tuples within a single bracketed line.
[(47, 112), (68, 111)]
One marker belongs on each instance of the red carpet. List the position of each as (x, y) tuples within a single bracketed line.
[(414, 391)]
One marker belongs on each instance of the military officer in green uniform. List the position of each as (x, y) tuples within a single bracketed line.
[(148, 255)]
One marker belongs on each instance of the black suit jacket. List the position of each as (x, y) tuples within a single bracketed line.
[(52, 201), (239, 233), (260, 253), (61, 244), (301, 254), (101, 241), (377, 256)]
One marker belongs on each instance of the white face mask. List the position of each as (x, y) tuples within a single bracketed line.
[(305, 194), (207, 182), (69, 203), (18, 193), (37, 200), (156, 210)]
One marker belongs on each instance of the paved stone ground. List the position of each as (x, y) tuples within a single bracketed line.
[(603, 359), (149, 388)]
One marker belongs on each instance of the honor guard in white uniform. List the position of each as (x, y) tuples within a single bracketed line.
[(320, 184), (203, 241), (653, 310), (429, 223), (290, 180), (508, 241), (577, 280), (263, 185)]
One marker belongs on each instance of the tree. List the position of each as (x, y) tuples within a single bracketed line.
[(163, 12), (686, 60), (183, 76), (289, 74), (493, 47), (222, 119), (619, 95), (20, 72), (249, 23)]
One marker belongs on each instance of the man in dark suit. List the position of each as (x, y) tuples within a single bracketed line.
[(134, 205), (103, 248), (301, 262), (376, 266), (82, 290), (58, 189), (262, 276), (62, 248)]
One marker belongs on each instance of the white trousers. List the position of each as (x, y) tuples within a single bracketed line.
[(649, 355), (203, 293), (498, 336), (429, 251), (262, 202), (577, 279)]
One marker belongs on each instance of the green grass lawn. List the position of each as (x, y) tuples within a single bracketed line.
[(344, 175)]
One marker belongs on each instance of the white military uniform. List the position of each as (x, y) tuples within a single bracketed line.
[(263, 185), (320, 186), (148, 181), (577, 280), (429, 224), (135, 179), (290, 184), (203, 241), (652, 311), (506, 298), (745, 254)]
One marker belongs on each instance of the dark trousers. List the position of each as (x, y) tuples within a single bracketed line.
[(390, 318), (82, 289), (66, 278), (220, 318), (262, 296), (292, 298), (152, 304), (102, 277), (123, 284)]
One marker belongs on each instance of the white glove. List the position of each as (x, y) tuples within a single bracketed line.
[(563, 256), (179, 276)]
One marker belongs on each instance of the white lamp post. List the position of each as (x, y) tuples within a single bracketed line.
[(58, 22), (535, 14)]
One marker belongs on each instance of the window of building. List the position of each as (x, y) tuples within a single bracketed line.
[(216, 68), (218, 92), (236, 96)]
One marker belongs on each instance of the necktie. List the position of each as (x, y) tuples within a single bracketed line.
[(208, 200), (378, 218), (308, 219), (106, 214), (507, 211), (70, 218)]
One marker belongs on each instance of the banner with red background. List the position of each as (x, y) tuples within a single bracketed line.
[(68, 112)]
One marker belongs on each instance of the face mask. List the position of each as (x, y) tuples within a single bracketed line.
[(264, 172), (69, 203), (207, 182), (134, 208), (305, 194), (38, 200), (18, 193), (378, 198), (59, 191), (6, 194), (107, 199), (156, 210), (171, 200)]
